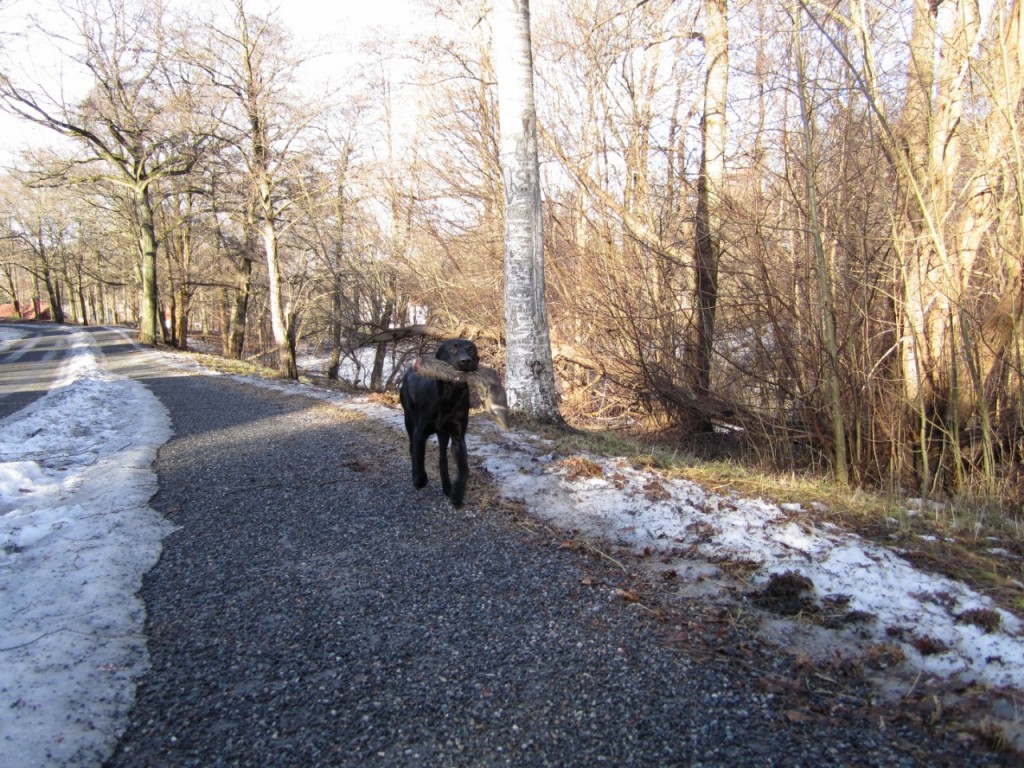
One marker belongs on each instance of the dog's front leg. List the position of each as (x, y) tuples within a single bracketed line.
[(462, 469), (417, 452), (442, 462)]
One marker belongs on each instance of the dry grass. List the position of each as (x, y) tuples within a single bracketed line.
[(229, 366)]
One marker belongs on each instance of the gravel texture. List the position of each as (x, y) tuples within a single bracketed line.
[(313, 609)]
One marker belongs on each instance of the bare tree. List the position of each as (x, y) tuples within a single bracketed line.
[(250, 63), (39, 229), (821, 263), (127, 124)]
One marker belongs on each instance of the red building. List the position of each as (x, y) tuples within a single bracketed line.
[(34, 311)]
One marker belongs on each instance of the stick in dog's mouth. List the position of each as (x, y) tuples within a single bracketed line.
[(484, 381)]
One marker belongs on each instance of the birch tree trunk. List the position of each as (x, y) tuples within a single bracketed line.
[(529, 371)]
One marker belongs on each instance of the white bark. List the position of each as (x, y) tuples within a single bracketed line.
[(529, 373)]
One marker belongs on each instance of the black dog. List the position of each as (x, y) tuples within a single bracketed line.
[(441, 408)]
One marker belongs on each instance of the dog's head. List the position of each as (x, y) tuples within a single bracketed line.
[(460, 354)]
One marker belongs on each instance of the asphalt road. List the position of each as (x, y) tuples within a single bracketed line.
[(313, 609), (28, 366)]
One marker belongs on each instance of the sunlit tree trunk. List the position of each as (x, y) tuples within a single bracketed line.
[(1003, 165), (935, 274), (529, 368), (148, 323), (278, 320)]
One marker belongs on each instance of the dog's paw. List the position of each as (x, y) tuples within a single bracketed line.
[(457, 494), (419, 481)]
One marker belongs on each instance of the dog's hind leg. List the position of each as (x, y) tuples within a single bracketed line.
[(418, 452), (462, 470), (442, 462)]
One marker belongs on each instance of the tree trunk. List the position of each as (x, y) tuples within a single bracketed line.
[(529, 368), (183, 302), (822, 267), (283, 344), (239, 308), (708, 225), (336, 328), (53, 294), (12, 288), (147, 250), (935, 275), (379, 355), (81, 298), (253, 93), (52, 288)]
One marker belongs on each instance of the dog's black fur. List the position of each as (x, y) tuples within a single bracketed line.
[(441, 408)]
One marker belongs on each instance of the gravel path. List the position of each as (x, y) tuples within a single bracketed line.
[(313, 609)]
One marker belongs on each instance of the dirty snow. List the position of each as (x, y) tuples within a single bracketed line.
[(76, 537)]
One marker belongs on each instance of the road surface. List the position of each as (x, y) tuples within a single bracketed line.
[(28, 365)]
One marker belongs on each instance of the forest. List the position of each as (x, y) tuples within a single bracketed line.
[(788, 230)]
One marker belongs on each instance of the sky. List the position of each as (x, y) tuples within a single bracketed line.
[(329, 37), (77, 535), (331, 32)]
